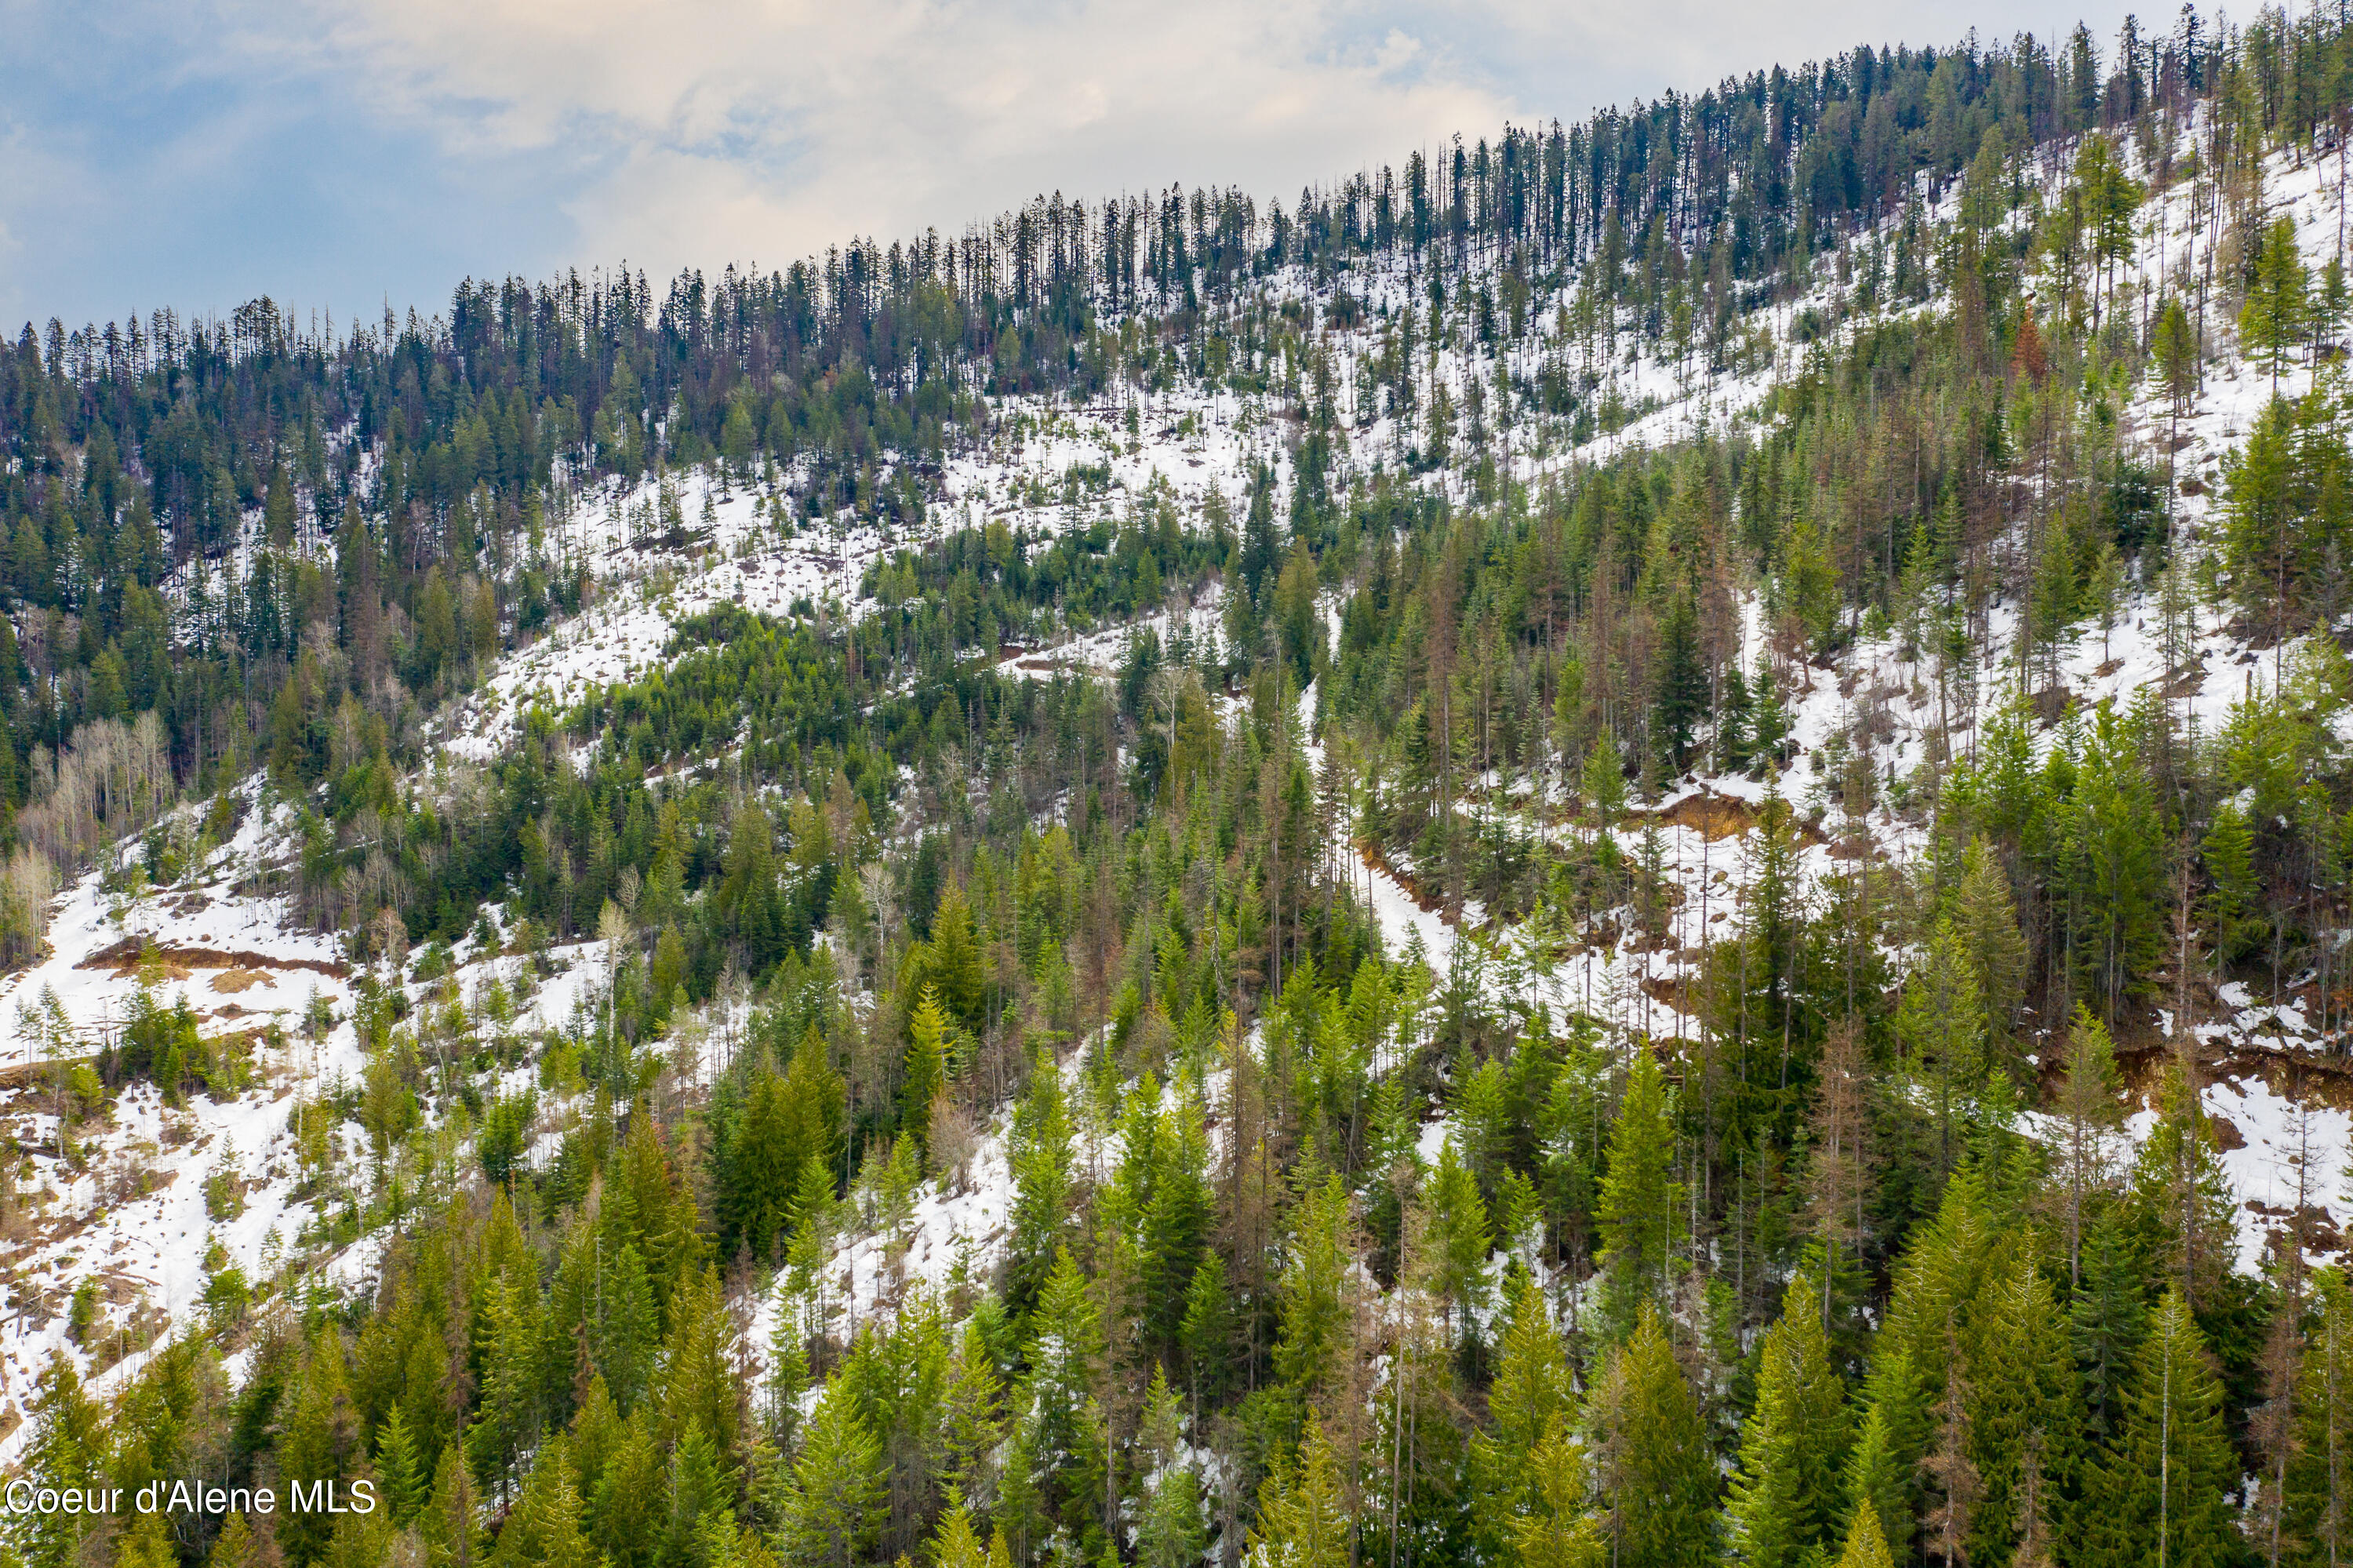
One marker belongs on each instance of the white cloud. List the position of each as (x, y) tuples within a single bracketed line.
[(720, 129), (346, 151)]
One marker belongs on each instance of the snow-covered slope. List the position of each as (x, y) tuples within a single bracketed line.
[(125, 1210)]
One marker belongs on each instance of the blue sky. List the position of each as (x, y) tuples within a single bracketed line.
[(341, 154)]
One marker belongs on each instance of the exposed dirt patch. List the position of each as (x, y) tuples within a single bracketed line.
[(123, 958), (2302, 1074), (23, 1074), (231, 981), (2300, 1077), (1677, 989), (678, 539), (1052, 664), (2320, 1232), (1719, 817)]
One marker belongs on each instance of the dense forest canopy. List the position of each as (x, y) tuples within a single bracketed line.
[(1820, 1238)]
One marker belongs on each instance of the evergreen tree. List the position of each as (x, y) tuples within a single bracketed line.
[(625, 1509), (2229, 854), (2273, 320), (837, 1486), (1942, 1026), (1920, 1376), (702, 1492), (2319, 1491), (2163, 1492), (595, 1431), (1532, 1394), (2025, 1424), (397, 1467), (1559, 1531), (955, 1545), (1879, 1473), (2181, 1202), (1732, 722), (1302, 1520), (236, 1547), (953, 966), (1259, 546), (1065, 1355), (1787, 1493), (1020, 1512), (1656, 1470), (2174, 345), (627, 1340), (1866, 1546), (2107, 1317), (1681, 681), (787, 1119), (1603, 782), (319, 1437), (2088, 1100), (697, 1383), (452, 1523), (1768, 720), (789, 1374), (1178, 1217), (1314, 1327), (1172, 1531), (1641, 1201), (926, 1065), (1207, 1331), (544, 1527), (1042, 1181), (68, 1448), (1986, 919), (1459, 1239), (970, 1424)]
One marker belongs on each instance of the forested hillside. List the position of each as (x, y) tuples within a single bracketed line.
[(1630, 847)]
